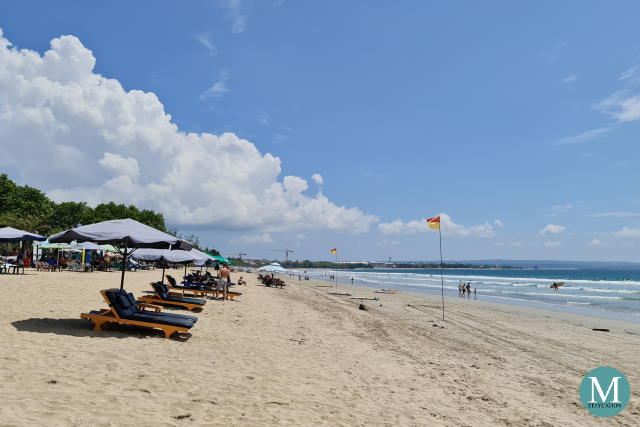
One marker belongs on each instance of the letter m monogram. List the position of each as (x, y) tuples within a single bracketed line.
[(595, 386)]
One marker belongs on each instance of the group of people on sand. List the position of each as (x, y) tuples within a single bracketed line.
[(465, 289)]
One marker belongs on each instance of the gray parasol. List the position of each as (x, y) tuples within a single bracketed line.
[(126, 235)]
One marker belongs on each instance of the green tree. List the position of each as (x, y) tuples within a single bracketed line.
[(30, 209), (69, 215), (32, 223), (152, 219), (7, 188), (28, 200), (109, 211), (211, 251)]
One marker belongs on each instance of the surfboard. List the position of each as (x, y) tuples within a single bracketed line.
[(556, 285)]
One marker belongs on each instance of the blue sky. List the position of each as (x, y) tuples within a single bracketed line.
[(524, 113)]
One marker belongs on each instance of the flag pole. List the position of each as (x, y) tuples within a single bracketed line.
[(441, 277), (336, 275)]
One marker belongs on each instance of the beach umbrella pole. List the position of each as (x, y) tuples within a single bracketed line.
[(163, 266), (124, 263)]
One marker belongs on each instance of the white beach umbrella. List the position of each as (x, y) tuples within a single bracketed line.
[(126, 235), (164, 256)]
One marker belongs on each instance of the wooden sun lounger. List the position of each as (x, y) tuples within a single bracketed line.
[(215, 291), (158, 299), (195, 292), (155, 299), (110, 315)]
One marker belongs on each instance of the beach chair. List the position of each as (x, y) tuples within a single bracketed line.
[(54, 266), (197, 290), (216, 284), (17, 266), (230, 294), (269, 281), (73, 266), (163, 296), (124, 309)]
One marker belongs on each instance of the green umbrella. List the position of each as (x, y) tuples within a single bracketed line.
[(219, 258), (110, 249), (222, 259), (55, 246)]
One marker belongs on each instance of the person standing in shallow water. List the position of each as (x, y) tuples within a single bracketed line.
[(468, 290)]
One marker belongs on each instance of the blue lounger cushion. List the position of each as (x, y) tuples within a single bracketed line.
[(121, 301), (165, 314), (197, 301), (164, 320), (192, 287), (163, 292)]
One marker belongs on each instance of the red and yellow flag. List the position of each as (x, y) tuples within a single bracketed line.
[(333, 251), (434, 223)]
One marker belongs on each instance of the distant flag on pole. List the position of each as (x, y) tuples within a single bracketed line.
[(434, 223), (333, 251)]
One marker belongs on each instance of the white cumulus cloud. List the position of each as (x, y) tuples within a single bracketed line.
[(553, 229), (317, 178), (446, 223), (552, 243), (103, 143), (119, 165), (595, 243), (627, 232)]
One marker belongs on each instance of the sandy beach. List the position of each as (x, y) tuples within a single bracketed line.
[(299, 356)]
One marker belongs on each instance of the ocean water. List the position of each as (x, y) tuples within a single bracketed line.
[(592, 291)]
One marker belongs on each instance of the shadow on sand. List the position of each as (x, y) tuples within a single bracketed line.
[(84, 328)]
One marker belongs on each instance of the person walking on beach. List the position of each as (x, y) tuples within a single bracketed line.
[(459, 290), (468, 290), (475, 293), (225, 278), (463, 290)]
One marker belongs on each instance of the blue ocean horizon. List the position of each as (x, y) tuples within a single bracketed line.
[(596, 292)]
